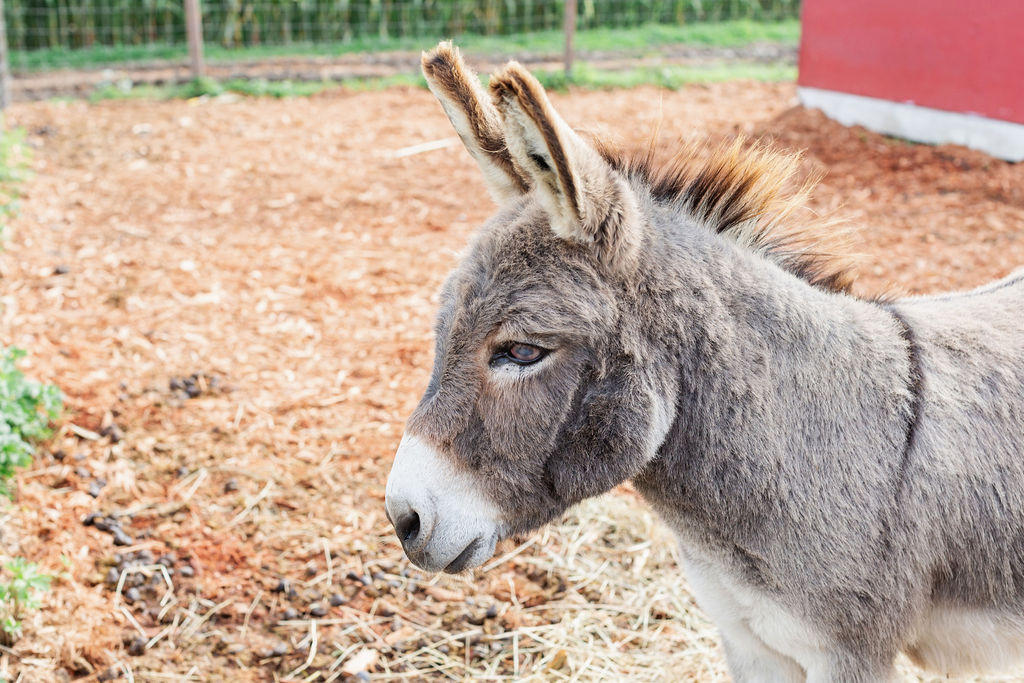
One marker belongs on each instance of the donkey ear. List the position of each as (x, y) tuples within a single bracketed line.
[(586, 199), (475, 119)]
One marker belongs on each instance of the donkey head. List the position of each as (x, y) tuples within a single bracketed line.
[(540, 394)]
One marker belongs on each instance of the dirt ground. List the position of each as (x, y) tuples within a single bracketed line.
[(236, 297)]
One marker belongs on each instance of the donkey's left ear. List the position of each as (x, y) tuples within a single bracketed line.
[(586, 199)]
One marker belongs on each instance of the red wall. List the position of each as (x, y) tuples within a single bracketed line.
[(957, 55)]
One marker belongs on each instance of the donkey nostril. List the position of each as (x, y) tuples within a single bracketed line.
[(408, 527)]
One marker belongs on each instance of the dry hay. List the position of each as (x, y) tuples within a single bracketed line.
[(286, 255)]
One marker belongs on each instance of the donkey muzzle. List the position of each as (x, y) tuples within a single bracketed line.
[(440, 513)]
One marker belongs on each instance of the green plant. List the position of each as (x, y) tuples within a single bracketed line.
[(13, 167), (26, 410), (20, 594)]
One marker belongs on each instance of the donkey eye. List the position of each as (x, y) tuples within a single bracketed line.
[(518, 353), (524, 353)]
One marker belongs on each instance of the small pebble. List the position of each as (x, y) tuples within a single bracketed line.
[(109, 675), (492, 612), (317, 610), (113, 576), (310, 570), (82, 472), (182, 472), (59, 455), (279, 650), (120, 537), (114, 433), (132, 594), (289, 613), (186, 571), (91, 518), (283, 586), (380, 576), (230, 485), (337, 599), (167, 560), (61, 270), (363, 676), (96, 486)]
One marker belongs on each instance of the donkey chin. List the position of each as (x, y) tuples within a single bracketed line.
[(443, 519)]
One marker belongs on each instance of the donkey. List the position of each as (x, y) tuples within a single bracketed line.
[(845, 476)]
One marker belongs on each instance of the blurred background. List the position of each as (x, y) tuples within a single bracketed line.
[(76, 46)]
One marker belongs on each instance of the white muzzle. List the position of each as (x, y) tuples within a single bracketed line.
[(441, 515)]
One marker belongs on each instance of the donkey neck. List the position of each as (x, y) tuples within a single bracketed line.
[(785, 395)]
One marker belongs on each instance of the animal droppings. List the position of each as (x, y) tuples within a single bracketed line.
[(120, 537), (137, 646)]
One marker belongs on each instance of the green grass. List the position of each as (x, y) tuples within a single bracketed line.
[(583, 76), (672, 76), (642, 38), (257, 87), (13, 167)]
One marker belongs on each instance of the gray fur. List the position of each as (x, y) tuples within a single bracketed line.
[(857, 462)]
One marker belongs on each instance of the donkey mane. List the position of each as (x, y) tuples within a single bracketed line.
[(746, 192)]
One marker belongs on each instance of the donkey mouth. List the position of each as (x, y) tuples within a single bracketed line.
[(464, 558)]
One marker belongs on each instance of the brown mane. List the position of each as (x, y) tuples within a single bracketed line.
[(746, 192)]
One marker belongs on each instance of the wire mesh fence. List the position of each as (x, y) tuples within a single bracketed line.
[(45, 34)]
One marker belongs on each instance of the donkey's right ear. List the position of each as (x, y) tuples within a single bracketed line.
[(475, 118)]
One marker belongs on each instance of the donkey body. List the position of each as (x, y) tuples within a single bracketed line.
[(844, 476)]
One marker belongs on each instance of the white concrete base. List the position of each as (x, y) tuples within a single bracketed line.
[(1001, 139)]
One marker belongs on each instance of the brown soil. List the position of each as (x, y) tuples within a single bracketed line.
[(285, 255)]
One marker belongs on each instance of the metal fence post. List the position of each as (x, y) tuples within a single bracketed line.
[(5, 68), (194, 30), (570, 32)]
